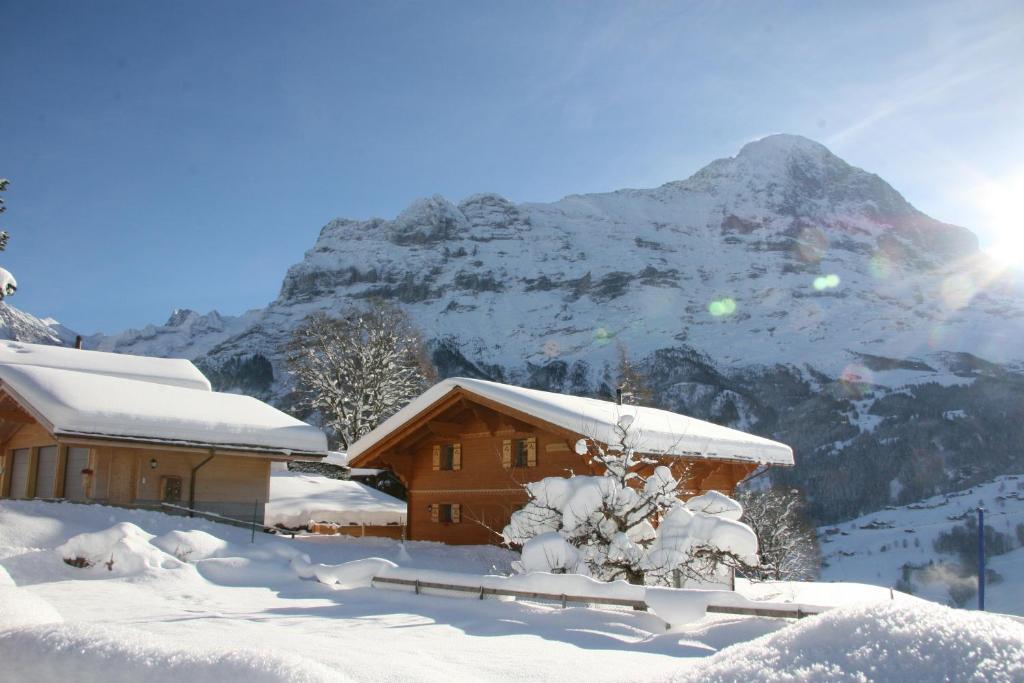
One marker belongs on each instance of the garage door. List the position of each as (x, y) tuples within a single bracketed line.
[(19, 473), (78, 460), (46, 472)]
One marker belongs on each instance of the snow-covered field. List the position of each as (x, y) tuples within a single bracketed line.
[(874, 548), (201, 604)]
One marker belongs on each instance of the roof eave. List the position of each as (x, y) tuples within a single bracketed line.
[(290, 453)]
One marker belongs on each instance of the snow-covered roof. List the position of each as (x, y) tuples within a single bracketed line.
[(297, 498), (652, 430), (108, 404), (171, 371), (339, 458)]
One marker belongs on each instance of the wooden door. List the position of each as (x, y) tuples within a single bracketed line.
[(121, 486), (78, 460), (20, 472), (46, 472)]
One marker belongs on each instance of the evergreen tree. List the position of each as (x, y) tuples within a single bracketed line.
[(631, 382), (8, 285)]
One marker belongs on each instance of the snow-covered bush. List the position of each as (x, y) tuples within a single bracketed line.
[(629, 522), (123, 549), (190, 546)]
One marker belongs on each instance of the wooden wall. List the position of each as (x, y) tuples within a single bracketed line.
[(230, 485), (487, 493)]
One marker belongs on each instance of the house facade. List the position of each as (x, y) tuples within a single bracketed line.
[(465, 448), (87, 426)]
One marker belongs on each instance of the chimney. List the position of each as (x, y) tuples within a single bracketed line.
[(78, 341)]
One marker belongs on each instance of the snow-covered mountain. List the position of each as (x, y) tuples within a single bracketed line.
[(17, 324), (782, 291)]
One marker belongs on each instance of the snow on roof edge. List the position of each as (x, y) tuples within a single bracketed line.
[(215, 445), (667, 432), (178, 372), (92, 405)]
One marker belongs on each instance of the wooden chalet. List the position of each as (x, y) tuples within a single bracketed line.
[(465, 448), (112, 428)]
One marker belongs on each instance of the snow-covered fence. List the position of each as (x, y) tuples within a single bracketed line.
[(231, 521), (482, 591), (675, 606)]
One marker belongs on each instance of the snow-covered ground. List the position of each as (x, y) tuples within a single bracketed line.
[(874, 548), (297, 498), (202, 603)]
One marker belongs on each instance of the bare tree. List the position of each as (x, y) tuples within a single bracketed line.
[(788, 545), (358, 369)]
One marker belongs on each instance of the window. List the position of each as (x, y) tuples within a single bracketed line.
[(448, 457), (520, 454), (444, 515)]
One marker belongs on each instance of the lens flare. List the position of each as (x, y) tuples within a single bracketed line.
[(722, 307), (855, 380), (823, 282), (601, 335), (957, 291), (551, 348), (812, 245), (880, 266), (1002, 202)]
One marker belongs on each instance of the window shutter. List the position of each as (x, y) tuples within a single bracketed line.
[(457, 456), (434, 511), (531, 452), (506, 453), (456, 513), (437, 459)]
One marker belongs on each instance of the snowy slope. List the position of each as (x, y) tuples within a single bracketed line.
[(875, 548)]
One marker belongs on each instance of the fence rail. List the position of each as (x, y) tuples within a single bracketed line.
[(775, 611), (215, 517), (529, 595)]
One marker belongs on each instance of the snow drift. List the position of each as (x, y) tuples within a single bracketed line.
[(84, 652), (918, 641)]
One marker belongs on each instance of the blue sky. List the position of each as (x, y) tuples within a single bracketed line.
[(184, 154)]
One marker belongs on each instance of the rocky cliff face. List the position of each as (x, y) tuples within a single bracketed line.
[(781, 291)]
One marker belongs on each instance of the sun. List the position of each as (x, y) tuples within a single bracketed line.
[(1002, 204)]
